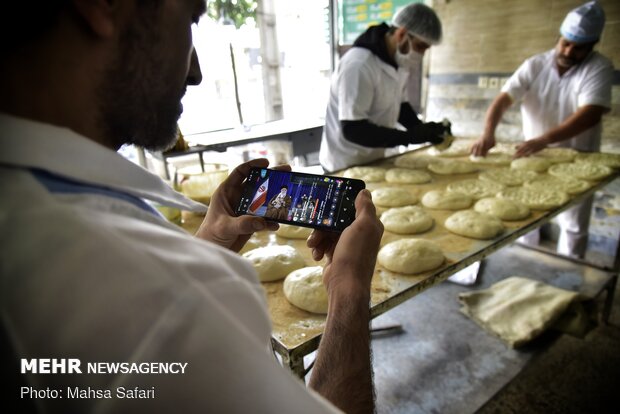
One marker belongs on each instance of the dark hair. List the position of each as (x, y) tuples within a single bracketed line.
[(284, 187)]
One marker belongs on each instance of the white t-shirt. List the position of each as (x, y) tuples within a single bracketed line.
[(548, 99), (90, 271), (363, 87)]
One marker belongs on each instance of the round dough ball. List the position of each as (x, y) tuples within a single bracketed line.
[(535, 199), (530, 164), (470, 223), (475, 188), (304, 288), (581, 171), (412, 160), (410, 256), (446, 200), (293, 232), (557, 154), (407, 176), (600, 158), (458, 148), (274, 262), (202, 186), (367, 174), (393, 197), (565, 184), (452, 167), (250, 245), (492, 159), (508, 176), (407, 220), (502, 208)]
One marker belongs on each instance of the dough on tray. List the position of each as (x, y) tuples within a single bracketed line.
[(600, 158), (413, 160), (531, 164), (446, 200), (410, 256), (444, 167), (492, 159), (475, 188), (508, 176), (367, 174), (557, 154), (393, 197), (470, 223), (581, 171), (293, 232), (407, 176), (502, 208), (304, 288), (535, 199), (458, 148), (274, 262), (407, 220), (566, 184)]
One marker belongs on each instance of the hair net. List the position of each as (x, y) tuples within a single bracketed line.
[(421, 21), (584, 24)]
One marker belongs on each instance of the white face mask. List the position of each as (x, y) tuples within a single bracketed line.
[(409, 60)]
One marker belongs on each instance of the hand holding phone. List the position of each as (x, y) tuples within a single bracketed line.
[(301, 199)]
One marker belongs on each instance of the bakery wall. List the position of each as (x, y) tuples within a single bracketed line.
[(485, 41)]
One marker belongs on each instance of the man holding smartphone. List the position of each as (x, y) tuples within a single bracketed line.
[(90, 271)]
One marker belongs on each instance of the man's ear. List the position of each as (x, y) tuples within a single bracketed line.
[(99, 15)]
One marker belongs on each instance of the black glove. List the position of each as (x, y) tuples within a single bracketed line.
[(432, 132)]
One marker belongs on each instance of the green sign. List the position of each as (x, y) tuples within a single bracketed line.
[(355, 16)]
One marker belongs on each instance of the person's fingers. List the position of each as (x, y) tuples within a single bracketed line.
[(363, 204), (247, 225), (239, 174), (283, 167)]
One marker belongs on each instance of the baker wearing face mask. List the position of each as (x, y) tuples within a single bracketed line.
[(368, 93)]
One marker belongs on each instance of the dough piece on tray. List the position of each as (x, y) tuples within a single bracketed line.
[(600, 158), (470, 223), (367, 174), (444, 167), (492, 159), (557, 154), (502, 208), (535, 199), (476, 188), (407, 220), (413, 160), (293, 232), (458, 148), (531, 164), (581, 171), (304, 288), (508, 176), (393, 197), (274, 262), (446, 200), (407, 176), (410, 256), (566, 184)]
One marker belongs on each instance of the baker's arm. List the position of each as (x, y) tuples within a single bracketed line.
[(583, 119), (494, 114)]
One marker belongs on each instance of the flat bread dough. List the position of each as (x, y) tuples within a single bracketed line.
[(444, 167), (581, 171), (458, 148), (274, 262), (531, 164), (600, 158), (202, 186), (502, 208), (492, 159), (535, 199), (446, 200), (508, 176), (393, 197), (568, 185), (470, 223), (410, 256), (413, 160), (407, 176), (407, 220), (475, 188), (367, 174), (557, 154), (293, 232), (507, 148), (304, 288)]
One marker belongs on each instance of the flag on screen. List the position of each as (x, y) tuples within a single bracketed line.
[(260, 197)]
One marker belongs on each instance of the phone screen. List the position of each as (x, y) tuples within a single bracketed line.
[(301, 199)]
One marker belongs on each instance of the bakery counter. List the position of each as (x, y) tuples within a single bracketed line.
[(297, 333)]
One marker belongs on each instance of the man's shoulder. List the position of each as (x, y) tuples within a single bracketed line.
[(599, 60)]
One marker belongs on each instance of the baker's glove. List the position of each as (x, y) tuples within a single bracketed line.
[(433, 132)]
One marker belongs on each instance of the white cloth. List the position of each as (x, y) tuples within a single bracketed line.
[(93, 276), (547, 100), (362, 87)]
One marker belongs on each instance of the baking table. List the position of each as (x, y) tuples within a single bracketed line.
[(297, 333)]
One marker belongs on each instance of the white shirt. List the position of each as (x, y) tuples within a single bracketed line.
[(548, 99), (90, 272), (363, 87)]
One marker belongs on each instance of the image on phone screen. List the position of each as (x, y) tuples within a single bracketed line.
[(302, 199)]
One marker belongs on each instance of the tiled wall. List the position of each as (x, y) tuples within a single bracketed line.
[(485, 41)]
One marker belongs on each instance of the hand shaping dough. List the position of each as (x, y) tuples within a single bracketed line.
[(508, 176), (581, 171), (368, 174), (393, 197), (530, 164), (444, 167), (470, 223), (304, 288), (274, 262), (444, 200), (557, 154), (412, 160), (407, 176), (293, 232), (407, 220), (410, 256), (502, 208), (534, 199), (600, 158), (476, 188), (492, 159), (565, 184)]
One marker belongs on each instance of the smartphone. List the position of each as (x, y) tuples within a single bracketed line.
[(301, 199)]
